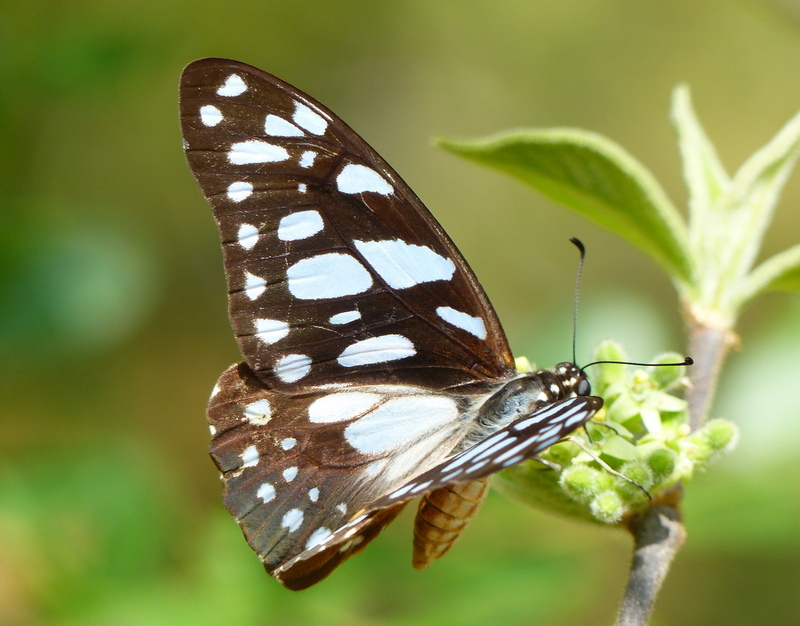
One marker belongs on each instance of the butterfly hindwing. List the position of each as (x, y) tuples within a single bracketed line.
[(298, 467)]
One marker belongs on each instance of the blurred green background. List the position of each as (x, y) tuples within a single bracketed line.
[(113, 323)]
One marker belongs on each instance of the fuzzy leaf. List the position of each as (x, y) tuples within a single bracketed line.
[(595, 177), (778, 273), (756, 188), (704, 174)]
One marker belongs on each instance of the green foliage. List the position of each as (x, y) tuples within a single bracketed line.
[(710, 256)]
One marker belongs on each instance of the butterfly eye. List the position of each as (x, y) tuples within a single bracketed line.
[(370, 349), (583, 388)]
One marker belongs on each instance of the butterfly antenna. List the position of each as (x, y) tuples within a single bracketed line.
[(582, 249), (687, 361)]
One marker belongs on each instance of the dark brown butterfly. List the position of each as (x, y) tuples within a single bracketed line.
[(375, 367)]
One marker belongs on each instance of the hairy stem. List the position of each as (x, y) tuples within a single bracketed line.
[(708, 346), (658, 534)]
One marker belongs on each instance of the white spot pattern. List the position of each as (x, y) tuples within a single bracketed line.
[(289, 473), (464, 321), (292, 367), (253, 285), (248, 236), (249, 456), (379, 349), (307, 158), (258, 412), (342, 508), (288, 443), (256, 151), (234, 86), (341, 406), (302, 187), (300, 225), (310, 120), (240, 190), (399, 421), (266, 492), (279, 127), (345, 317), (404, 265), (270, 331), (356, 178), (212, 430), (329, 275), (210, 115), (313, 494), (317, 537), (292, 520)]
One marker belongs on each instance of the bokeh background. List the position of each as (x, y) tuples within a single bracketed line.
[(113, 323)]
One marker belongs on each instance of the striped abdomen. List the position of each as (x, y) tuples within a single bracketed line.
[(442, 516)]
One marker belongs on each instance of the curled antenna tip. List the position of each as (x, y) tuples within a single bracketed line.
[(688, 361), (578, 244)]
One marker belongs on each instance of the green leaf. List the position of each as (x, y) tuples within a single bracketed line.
[(756, 188), (778, 273), (704, 174), (595, 177)]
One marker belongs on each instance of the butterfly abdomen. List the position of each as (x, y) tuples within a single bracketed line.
[(442, 515)]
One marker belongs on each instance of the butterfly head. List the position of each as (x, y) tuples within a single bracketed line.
[(573, 379)]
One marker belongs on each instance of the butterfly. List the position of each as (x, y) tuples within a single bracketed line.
[(375, 368)]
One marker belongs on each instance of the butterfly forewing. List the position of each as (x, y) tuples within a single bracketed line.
[(336, 271)]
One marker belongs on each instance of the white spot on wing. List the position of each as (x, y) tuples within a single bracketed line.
[(212, 430), (356, 178), (266, 492), (377, 350), (292, 367), (313, 494), (342, 508), (300, 225), (464, 321), (404, 265), (307, 158), (292, 520), (210, 115), (399, 421), (248, 236), (302, 187), (249, 456), (312, 121), (253, 285), (346, 317), (256, 151), (279, 127), (240, 190), (288, 443), (233, 86), (341, 406), (289, 473), (318, 537), (270, 331), (258, 412), (330, 275)]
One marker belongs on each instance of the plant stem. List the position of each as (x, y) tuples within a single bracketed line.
[(708, 346), (658, 534)]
